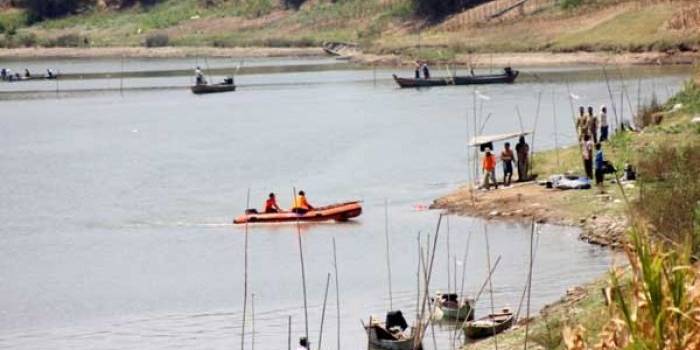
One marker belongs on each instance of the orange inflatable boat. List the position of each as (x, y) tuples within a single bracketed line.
[(337, 212)]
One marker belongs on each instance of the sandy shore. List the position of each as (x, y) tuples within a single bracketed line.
[(479, 60), (527, 201), (160, 52), (544, 59)]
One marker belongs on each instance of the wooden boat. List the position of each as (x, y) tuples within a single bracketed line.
[(454, 309), (391, 334), (336, 212), (225, 86), (338, 48), (507, 77), (14, 78), (489, 325)]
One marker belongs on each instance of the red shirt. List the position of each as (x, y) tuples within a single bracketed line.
[(271, 203)]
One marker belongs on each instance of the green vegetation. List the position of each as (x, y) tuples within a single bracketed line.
[(379, 26)]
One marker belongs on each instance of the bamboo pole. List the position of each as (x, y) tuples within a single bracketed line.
[(303, 281), (532, 137), (289, 333), (337, 294), (121, 78), (554, 122), (449, 272), (488, 264), (612, 99), (323, 311), (388, 249), (418, 279), (529, 280), (464, 277), (245, 274)]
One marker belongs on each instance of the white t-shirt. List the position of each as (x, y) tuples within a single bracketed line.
[(603, 119), (587, 149)]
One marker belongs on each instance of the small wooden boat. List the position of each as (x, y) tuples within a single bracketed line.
[(391, 334), (14, 78), (339, 49), (336, 212), (225, 86), (489, 325), (454, 309), (507, 77)]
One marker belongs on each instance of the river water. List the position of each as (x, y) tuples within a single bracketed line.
[(118, 189)]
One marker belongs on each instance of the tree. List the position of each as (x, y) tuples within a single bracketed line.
[(41, 9), (435, 10)]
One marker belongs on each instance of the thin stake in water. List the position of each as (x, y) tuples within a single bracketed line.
[(323, 311)]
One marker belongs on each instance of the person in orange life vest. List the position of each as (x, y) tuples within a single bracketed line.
[(489, 168), (271, 204), (301, 205)]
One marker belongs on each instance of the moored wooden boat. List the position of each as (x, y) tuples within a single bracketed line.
[(335, 212), (338, 48), (507, 77), (14, 78), (489, 325), (227, 85), (391, 334), (454, 309)]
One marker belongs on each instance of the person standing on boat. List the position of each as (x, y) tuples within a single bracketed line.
[(588, 155), (426, 71), (303, 344), (49, 73), (3, 74), (200, 76), (26, 73), (603, 123), (417, 71), (507, 160), (301, 205), (522, 149), (488, 166), (592, 124), (271, 204)]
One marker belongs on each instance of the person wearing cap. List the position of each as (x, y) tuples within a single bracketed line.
[(489, 167), (301, 205), (303, 344), (603, 123)]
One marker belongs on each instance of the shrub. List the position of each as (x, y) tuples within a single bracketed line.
[(648, 114), (26, 39), (40, 9), (68, 40), (570, 4), (157, 40)]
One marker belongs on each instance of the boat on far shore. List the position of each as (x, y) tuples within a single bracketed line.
[(334, 212), (508, 76)]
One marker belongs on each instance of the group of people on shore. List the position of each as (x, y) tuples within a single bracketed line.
[(507, 157), (6, 74), (592, 129), (300, 206)]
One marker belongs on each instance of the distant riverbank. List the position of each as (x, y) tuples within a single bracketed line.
[(516, 59)]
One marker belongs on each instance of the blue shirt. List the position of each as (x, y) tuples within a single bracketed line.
[(599, 160)]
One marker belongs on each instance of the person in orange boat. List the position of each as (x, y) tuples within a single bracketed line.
[(301, 205), (271, 204)]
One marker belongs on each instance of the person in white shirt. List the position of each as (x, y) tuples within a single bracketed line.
[(603, 123), (200, 76)]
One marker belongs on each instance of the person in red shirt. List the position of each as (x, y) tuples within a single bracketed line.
[(489, 168), (271, 204)]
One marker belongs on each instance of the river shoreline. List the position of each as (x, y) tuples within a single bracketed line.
[(477, 59)]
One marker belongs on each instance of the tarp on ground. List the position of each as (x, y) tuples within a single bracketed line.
[(484, 139)]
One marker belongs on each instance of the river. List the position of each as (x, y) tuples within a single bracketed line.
[(118, 189)]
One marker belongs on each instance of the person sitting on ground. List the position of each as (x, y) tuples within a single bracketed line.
[(26, 73), (507, 159), (271, 204), (592, 124), (199, 76), (303, 344), (588, 155), (603, 123), (488, 166), (600, 167), (301, 205), (426, 71), (522, 149)]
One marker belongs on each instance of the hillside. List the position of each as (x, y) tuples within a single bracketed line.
[(379, 26)]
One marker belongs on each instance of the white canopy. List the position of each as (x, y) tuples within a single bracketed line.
[(483, 139)]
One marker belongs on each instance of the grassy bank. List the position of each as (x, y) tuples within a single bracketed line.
[(379, 26)]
